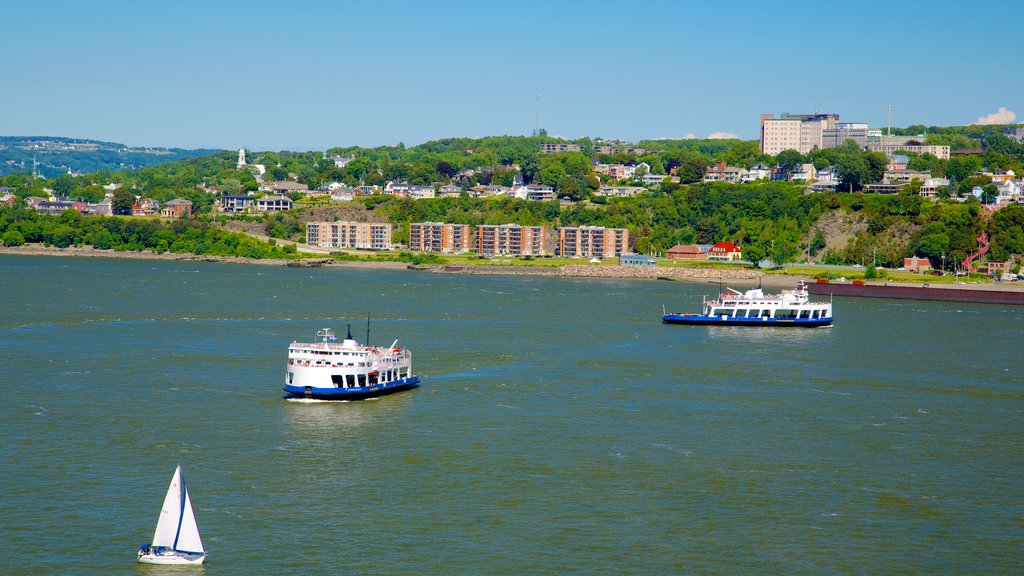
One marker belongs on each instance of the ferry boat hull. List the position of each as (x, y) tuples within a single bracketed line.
[(701, 320), (362, 393)]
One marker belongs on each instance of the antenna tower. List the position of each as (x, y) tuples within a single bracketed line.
[(889, 130)]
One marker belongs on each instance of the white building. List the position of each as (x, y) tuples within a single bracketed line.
[(800, 132)]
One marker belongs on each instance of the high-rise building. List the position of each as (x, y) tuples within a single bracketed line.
[(365, 235), (587, 241), (439, 237), (511, 240), (800, 132)]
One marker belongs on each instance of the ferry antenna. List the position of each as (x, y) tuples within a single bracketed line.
[(367, 328)]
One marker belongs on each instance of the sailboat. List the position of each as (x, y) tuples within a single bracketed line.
[(176, 539)]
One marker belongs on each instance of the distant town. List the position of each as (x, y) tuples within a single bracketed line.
[(813, 153)]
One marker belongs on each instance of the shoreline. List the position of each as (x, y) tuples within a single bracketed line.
[(695, 275)]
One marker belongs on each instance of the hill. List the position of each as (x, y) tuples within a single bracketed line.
[(53, 156)]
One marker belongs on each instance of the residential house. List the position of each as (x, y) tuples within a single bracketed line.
[(997, 269), (917, 264), (273, 203), (56, 206), (687, 252), (104, 207), (146, 207), (657, 179), (236, 203), (897, 162), (342, 161), (286, 187), (759, 172), (619, 191), (439, 237), (588, 241), (631, 170), (422, 191), (540, 192), (901, 176), (604, 149), (931, 186), (8, 199), (725, 251), (449, 191), (721, 172), (361, 235), (177, 208), (803, 173)]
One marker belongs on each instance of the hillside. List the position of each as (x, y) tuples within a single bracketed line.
[(53, 156)]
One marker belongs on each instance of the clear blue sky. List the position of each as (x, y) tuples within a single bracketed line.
[(315, 74)]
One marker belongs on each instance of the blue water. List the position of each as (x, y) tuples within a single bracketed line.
[(560, 428)]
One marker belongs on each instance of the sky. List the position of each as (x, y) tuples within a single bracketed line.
[(317, 74)]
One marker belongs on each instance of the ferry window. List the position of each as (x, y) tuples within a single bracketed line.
[(741, 313), (805, 313), (814, 314), (766, 313), (362, 379), (754, 313), (291, 377), (350, 379)]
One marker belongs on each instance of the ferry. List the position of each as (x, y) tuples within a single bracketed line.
[(754, 308), (329, 370)]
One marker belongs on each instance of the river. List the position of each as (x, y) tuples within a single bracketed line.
[(560, 428)]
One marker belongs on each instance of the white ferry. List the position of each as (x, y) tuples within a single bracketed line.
[(753, 308), (328, 370)]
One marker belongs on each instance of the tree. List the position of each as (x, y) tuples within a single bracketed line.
[(989, 192), (65, 185), (933, 245), (959, 168), (789, 159), (12, 238), (123, 201), (569, 186)]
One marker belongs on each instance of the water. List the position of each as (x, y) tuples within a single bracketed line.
[(561, 428)]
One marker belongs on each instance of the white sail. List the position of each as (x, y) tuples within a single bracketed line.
[(188, 535), (170, 514), (176, 528)]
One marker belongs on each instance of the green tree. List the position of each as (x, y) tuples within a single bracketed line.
[(12, 238), (123, 201), (959, 168)]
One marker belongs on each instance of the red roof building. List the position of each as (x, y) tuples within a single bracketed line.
[(688, 252), (725, 251)]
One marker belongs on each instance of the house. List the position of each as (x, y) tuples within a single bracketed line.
[(916, 264), (931, 186), (619, 191), (55, 207), (540, 192), (274, 203), (998, 269), (656, 179), (898, 176), (177, 208), (779, 174), (366, 190), (145, 207), (897, 162), (8, 199), (803, 173), (104, 207), (342, 161), (725, 252), (449, 190), (424, 191), (759, 172), (236, 202), (721, 172), (286, 187), (688, 252), (632, 170)]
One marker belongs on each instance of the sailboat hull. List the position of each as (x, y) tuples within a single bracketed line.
[(178, 558)]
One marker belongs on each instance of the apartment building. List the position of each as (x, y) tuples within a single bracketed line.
[(940, 152), (800, 132), (511, 240), (364, 235), (588, 241), (843, 131), (439, 237), (556, 148)]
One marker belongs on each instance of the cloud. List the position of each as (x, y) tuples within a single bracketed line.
[(1003, 116), (690, 136), (722, 136)]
